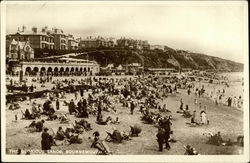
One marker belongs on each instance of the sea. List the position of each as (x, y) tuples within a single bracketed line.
[(235, 88), (233, 76), (236, 84)]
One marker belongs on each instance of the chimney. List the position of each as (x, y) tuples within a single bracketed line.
[(24, 28), (18, 29), (34, 29)]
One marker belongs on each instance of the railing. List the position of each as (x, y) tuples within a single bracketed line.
[(59, 63)]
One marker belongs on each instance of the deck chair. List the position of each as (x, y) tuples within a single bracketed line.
[(103, 149), (115, 137)]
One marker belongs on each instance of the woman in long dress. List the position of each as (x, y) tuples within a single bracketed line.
[(203, 117)]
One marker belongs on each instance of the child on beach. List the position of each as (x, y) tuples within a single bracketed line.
[(195, 101)]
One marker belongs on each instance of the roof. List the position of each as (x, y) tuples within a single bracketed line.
[(76, 60), (160, 69), (38, 33), (20, 44), (110, 65), (119, 67), (134, 65)]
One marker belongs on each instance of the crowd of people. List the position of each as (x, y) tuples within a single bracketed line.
[(145, 95)]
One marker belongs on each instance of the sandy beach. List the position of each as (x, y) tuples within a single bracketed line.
[(227, 120)]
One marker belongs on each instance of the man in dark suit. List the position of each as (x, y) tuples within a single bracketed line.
[(71, 106), (57, 104), (160, 138), (46, 140)]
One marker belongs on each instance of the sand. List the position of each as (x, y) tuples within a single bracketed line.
[(227, 120)]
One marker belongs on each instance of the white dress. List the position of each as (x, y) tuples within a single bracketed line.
[(203, 118)]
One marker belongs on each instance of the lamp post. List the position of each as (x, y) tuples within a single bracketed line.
[(21, 72)]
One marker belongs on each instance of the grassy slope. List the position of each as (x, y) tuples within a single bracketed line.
[(163, 59)]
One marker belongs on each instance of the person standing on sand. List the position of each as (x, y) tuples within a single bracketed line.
[(132, 107), (46, 140), (160, 138), (82, 92), (189, 91), (203, 117), (181, 106), (229, 101), (76, 94), (71, 106), (57, 104)]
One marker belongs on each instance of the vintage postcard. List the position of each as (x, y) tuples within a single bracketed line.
[(142, 81)]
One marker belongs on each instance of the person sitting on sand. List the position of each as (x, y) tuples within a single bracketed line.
[(164, 108), (98, 144), (186, 113), (60, 134), (11, 107), (28, 115), (37, 109), (38, 125), (116, 135), (64, 118), (215, 139), (74, 139), (194, 118), (190, 150), (135, 130), (116, 121), (86, 125), (68, 133), (195, 101)]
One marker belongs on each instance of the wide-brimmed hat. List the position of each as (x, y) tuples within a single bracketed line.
[(96, 133)]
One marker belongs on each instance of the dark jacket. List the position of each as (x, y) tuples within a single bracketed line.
[(46, 141)]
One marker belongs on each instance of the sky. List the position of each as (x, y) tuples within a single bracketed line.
[(212, 28)]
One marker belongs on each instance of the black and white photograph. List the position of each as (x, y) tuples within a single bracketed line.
[(134, 81)]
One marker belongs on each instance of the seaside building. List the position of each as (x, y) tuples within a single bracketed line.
[(38, 39), (73, 43), (161, 47), (46, 39), (160, 71), (57, 67), (19, 50), (131, 43), (133, 68), (60, 40), (96, 42)]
